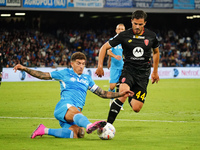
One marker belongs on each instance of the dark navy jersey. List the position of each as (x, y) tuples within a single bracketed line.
[(136, 49)]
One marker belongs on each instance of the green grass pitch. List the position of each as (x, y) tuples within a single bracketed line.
[(169, 119)]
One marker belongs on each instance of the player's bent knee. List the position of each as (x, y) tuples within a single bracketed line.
[(135, 104), (136, 110), (81, 132)]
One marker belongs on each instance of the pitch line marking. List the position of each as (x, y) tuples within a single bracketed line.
[(3, 117)]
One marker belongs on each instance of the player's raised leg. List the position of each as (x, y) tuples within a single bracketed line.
[(82, 121), (98, 124)]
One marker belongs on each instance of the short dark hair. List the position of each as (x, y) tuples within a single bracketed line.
[(78, 55), (139, 14)]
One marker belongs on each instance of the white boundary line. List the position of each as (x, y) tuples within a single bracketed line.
[(3, 117)]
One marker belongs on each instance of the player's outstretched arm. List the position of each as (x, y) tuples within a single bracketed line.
[(34, 73), (107, 94)]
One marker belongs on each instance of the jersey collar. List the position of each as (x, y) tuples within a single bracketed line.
[(75, 73)]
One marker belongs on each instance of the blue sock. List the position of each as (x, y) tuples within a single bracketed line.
[(61, 133), (81, 120)]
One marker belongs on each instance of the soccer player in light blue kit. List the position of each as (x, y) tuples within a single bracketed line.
[(115, 63), (74, 85)]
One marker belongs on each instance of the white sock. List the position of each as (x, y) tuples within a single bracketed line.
[(88, 125), (46, 130)]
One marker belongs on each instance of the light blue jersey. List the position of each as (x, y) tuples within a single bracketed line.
[(117, 64), (73, 86)]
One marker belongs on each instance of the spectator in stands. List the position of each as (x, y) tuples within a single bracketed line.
[(29, 46)]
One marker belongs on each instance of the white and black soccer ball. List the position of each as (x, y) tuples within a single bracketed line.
[(107, 133)]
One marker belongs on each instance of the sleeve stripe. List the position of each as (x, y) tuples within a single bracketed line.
[(94, 88), (109, 43)]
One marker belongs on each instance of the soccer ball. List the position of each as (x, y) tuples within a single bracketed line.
[(107, 133)]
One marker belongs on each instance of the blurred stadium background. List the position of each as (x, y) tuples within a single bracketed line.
[(45, 33)]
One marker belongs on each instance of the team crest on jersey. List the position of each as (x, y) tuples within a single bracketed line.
[(146, 42), (73, 79), (123, 79)]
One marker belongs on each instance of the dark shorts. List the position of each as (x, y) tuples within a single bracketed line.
[(137, 81)]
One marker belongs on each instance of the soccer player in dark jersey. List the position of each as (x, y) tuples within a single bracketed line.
[(138, 43)]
